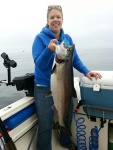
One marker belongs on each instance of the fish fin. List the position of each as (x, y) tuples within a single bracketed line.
[(62, 128), (49, 94), (54, 67), (56, 125), (74, 94), (54, 108)]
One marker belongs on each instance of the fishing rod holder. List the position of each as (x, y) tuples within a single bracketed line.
[(25, 82), (8, 64)]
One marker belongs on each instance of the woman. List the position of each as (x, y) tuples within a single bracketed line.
[(43, 51)]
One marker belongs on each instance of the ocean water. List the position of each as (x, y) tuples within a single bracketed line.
[(9, 94), (94, 59)]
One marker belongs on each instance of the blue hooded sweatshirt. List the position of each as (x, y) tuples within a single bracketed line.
[(43, 57)]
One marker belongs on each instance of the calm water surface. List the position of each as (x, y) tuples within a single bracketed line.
[(99, 59)]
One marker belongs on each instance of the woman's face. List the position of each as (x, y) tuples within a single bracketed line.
[(55, 20)]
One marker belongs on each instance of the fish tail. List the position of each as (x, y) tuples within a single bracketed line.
[(62, 128), (66, 129), (56, 125)]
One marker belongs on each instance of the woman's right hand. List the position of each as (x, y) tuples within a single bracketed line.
[(52, 45)]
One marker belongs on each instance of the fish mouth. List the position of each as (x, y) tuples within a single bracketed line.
[(59, 61)]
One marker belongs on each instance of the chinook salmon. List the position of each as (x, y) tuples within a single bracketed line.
[(62, 84)]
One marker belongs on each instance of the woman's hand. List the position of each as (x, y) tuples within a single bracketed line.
[(94, 74), (52, 45)]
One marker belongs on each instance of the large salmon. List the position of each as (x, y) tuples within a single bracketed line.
[(62, 83)]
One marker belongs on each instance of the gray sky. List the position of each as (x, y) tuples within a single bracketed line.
[(88, 22)]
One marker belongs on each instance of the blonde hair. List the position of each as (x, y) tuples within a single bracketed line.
[(51, 7)]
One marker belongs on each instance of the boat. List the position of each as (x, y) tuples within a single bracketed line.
[(92, 124)]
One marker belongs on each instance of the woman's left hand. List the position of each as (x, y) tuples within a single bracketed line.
[(94, 74)]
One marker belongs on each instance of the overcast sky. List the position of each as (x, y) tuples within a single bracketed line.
[(88, 22)]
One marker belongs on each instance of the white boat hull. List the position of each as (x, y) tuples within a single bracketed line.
[(23, 133)]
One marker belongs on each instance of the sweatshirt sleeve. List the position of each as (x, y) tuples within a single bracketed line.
[(41, 54), (78, 64)]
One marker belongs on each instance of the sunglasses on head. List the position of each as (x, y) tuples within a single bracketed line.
[(54, 6)]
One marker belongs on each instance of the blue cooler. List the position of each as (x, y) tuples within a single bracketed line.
[(97, 95)]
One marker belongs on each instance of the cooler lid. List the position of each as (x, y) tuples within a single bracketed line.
[(106, 80)]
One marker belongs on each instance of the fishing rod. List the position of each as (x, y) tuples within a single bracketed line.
[(9, 144)]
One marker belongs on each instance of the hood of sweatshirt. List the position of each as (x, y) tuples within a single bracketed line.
[(50, 34)]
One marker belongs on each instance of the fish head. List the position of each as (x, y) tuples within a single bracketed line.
[(64, 52), (70, 50)]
